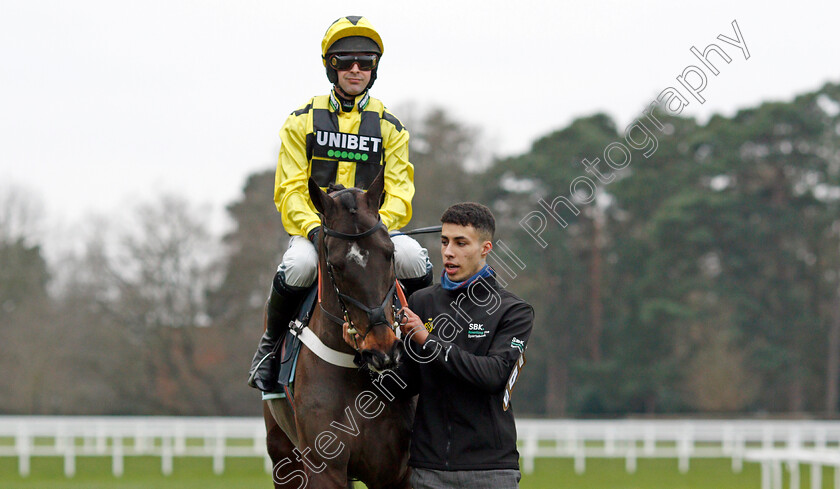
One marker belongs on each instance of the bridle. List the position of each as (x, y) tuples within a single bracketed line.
[(376, 314)]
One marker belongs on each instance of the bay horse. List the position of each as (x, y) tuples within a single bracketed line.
[(346, 422)]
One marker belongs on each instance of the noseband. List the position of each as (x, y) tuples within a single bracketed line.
[(376, 314)]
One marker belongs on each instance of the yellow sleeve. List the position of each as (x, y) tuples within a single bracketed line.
[(399, 177), (291, 190)]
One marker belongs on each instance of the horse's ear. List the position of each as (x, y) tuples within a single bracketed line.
[(374, 191), (319, 198)]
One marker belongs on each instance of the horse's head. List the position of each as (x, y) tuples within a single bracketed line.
[(356, 263)]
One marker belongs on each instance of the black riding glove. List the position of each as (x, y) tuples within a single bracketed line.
[(313, 236)]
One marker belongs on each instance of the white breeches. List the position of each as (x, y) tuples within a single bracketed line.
[(300, 262)]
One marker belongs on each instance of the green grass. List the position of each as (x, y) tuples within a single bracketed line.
[(197, 473), (140, 473), (650, 474)]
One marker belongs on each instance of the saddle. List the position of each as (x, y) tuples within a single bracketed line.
[(288, 349)]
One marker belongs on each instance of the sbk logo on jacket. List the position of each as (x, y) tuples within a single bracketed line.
[(477, 331), (347, 147)]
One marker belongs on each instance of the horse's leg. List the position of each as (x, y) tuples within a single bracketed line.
[(280, 451), (284, 417), (318, 394), (329, 478)]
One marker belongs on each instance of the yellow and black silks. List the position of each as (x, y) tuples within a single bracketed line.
[(332, 145)]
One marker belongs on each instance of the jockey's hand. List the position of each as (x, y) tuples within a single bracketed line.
[(412, 326), (349, 338), (313, 236)]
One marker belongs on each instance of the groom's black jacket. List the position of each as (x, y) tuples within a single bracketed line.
[(477, 334)]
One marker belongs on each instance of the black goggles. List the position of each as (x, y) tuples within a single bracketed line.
[(344, 62)]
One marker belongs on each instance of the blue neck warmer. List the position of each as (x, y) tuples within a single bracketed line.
[(447, 284)]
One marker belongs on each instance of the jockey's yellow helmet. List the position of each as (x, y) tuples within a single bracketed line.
[(350, 34)]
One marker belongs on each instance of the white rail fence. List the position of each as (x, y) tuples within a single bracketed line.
[(119, 437), (774, 444)]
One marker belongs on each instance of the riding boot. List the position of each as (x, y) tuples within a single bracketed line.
[(283, 302), (412, 285)]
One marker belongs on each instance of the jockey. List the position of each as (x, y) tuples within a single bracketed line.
[(344, 138)]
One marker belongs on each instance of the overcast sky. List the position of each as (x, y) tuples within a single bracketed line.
[(106, 103)]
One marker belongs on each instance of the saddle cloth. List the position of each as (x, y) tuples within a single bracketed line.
[(290, 350)]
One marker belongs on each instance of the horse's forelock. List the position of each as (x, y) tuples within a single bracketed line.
[(348, 201)]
